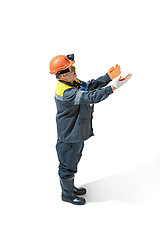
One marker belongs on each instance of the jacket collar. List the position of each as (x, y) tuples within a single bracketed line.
[(77, 83)]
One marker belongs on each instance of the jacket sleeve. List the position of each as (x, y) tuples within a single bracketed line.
[(99, 82), (75, 97)]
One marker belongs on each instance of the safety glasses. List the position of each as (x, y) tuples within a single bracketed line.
[(70, 69)]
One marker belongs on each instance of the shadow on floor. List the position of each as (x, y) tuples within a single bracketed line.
[(130, 187)]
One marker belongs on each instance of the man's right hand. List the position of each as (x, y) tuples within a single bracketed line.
[(114, 71)]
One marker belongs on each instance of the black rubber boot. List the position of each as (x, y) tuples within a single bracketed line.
[(79, 191), (68, 194)]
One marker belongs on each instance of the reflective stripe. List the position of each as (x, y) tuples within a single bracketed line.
[(58, 97), (78, 97)]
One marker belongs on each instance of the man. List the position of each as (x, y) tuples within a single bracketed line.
[(74, 100)]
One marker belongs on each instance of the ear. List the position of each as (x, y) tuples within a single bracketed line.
[(63, 76)]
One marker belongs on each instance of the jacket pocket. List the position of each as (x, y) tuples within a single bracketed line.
[(86, 130)]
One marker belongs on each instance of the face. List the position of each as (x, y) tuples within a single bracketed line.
[(70, 76)]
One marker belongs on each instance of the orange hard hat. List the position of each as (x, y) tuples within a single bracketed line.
[(60, 62)]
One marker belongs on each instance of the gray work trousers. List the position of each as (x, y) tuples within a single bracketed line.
[(69, 155)]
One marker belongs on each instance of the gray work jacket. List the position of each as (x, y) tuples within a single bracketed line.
[(75, 109)]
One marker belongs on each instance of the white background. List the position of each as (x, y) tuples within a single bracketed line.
[(120, 166)]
